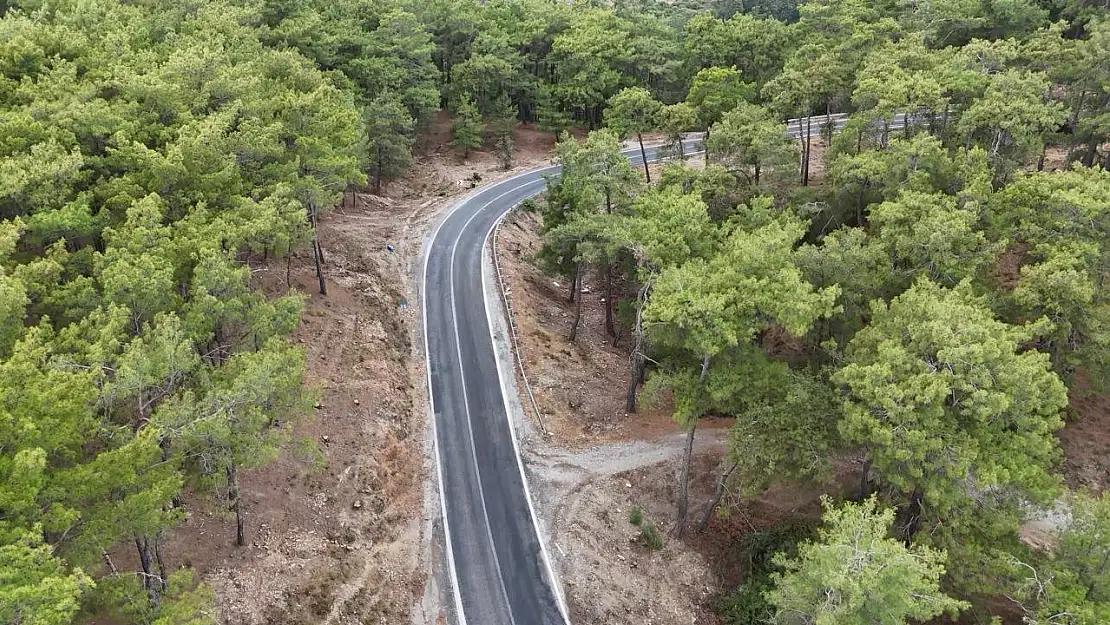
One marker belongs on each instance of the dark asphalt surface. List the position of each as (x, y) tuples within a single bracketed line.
[(498, 563)]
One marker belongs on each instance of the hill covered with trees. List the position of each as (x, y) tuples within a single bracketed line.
[(942, 291)]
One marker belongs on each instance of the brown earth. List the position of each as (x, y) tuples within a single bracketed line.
[(1085, 439)]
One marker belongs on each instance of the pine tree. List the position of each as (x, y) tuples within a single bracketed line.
[(466, 129), (855, 574)]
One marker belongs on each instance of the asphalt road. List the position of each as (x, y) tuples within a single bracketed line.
[(500, 570)]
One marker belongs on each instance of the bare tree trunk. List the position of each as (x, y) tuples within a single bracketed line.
[(236, 503), (317, 251), (609, 300), (859, 206), (637, 372), (577, 304), (643, 156), (705, 145), (108, 561), (154, 584), (687, 458), (863, 491), (681, 148), (809, 142), (802, 162), (158, 558), (573, 287), (717, 495), (684, 482), (378, 174), (913, 513)]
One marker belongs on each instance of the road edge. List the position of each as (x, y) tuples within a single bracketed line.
[(514, 411)]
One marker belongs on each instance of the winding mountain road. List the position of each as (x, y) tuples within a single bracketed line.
[(499, 567)]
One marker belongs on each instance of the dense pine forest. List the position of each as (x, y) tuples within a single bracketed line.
[(918, 281)]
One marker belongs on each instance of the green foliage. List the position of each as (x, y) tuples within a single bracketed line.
[(1012, 119), (854, 574), (707, 306), (632, 111), (152, 154), (187, 602), (389, 129), (754, 147), (466, 128), (941, 393), (1062, 219), (650, 536), (931, 235), (716, 91), (756, 552), (503, 127), (635, 515), (35, 587)]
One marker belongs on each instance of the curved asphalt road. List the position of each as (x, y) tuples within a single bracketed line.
[(499, 567)]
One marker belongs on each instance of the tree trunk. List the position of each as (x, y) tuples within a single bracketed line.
[(573, 287), (684, 482), (637, 372), (681, 148), (154, 584), (577, 304), (705, 145), (378, 174), (1092, 152), (236, 503), (643, 156), (717, 495), (802, 162), (609, 300), (863, 490), (317, 251), (913, 514), (809, 140), (687, 458), (108, 561), (859, 206), (158, 559)]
